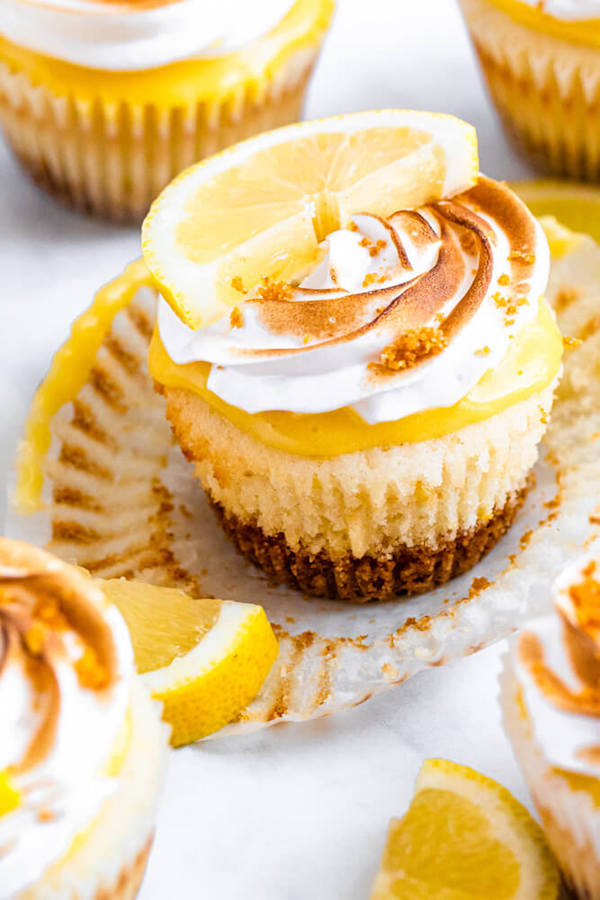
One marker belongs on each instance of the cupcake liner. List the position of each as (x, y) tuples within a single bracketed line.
[(112, 159), (418, 498), (121, 500), (571, 818), (547, 90), (108, 861)]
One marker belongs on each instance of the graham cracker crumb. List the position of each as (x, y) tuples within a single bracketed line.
[(522, 256), (410, 348), (236, 318), (90, 671), (274, 290)]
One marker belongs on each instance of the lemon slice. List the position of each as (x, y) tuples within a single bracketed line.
[(261, 208), (204, 659), (576, 206), (465, 837)]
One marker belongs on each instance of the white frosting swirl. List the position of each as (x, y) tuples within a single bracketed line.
[(553, 687), (569, 10), (472, 269), (121, 36), (59, 729)]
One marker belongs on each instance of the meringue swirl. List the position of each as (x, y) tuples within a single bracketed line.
[(66, 668), (558, 669), (122, 35), (401, 315)]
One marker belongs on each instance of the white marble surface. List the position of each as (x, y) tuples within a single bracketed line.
[(296, 811)]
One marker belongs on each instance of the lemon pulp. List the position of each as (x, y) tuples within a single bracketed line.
[(464, 837), (204, 659)]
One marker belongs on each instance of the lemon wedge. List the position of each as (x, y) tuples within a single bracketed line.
[(465, 837), (576, 206), (205, 660), (261, 208)]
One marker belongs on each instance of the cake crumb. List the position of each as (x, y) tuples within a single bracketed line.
[(522, 256), (409, 349), (90, 671), (236, 319), (504, 280), (237, 284), (45, 814), (483, 351), (569, 343), (274, 290)]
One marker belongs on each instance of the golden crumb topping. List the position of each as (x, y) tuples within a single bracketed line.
[(236, 318), (410, 348), (274, 290)]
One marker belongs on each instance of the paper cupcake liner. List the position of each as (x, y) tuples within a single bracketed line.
[(547, 90), (108, 862), (113, 159), (121, 500), (570, 818)]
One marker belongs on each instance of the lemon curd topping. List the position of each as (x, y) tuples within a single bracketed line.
[(579, 31), (531, 363), (185, 82)]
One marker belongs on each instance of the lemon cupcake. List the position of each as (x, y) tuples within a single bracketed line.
[(82, 748), (105, 101), (551, 702), (366, 426), (541, 59)]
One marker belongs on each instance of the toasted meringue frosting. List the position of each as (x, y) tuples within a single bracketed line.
[(400, 316), (66, 668), (558, 668), (122, 35)]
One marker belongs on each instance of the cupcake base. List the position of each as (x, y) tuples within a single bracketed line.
[(547, 91), (570, 817), (409, 570), (113, 160), (108, 861)]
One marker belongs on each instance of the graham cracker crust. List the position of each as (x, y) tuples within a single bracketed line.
[(409, 570)]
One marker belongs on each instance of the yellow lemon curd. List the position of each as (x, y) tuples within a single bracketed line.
[(532, 362), (581, 31), (9, 796), (185, 82)]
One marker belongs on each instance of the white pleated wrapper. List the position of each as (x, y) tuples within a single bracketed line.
[(153, 523)]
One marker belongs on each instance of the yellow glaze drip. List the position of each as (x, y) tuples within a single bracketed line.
[(68, 373), (581, 31), (531, 363), (187, 82)]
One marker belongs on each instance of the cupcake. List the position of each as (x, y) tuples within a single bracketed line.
[(551, 702), (82, 747), (541, 60), (369, 429), (105, 101)]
